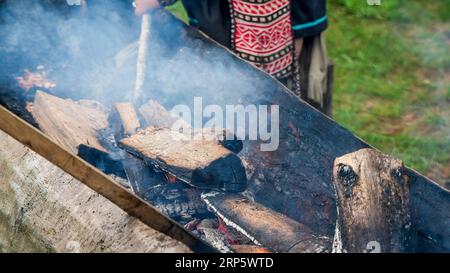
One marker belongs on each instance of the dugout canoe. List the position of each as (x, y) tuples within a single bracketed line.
[(295, 180)]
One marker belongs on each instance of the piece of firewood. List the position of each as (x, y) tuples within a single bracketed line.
[(70, 123), (157, 115), (373, 203), (222, 136), (198, 162), (124, 116), (264, 226)]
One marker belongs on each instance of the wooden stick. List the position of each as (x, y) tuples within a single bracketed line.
[(142, 56), (94, 179), (126, 114)]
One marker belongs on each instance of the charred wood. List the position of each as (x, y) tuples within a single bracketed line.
[(264, 226), (175, 199), (198, 162), (102, 161), (373, 203)]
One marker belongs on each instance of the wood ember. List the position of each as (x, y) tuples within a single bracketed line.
[(70, 123), (199, 162), (249, 249), (35, 80), (373, 202), (215, 238), (229, 236), (264, 226), (124, 116)]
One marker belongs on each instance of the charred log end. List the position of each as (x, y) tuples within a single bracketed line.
[(373, 202), (348, 178), (231, 142), (226, 173)]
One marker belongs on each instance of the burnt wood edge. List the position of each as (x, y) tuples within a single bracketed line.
[(96, 180)]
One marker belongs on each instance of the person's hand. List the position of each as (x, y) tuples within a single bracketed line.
[(298, 47), (142, 6)]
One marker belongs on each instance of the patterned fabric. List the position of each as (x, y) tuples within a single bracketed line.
[(262, 34)]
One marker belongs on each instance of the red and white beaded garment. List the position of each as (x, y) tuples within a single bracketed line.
[(262, 34)]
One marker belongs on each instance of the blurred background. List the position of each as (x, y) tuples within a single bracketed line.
[(392, 77)]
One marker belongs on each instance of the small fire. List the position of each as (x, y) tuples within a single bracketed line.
[(35, 79), (261, 250), (224, 230), (170, 178)]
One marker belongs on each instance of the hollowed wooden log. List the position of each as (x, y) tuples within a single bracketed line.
[(373, 203)]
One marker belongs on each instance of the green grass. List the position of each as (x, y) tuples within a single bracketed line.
[(392, 77), (391, 58)]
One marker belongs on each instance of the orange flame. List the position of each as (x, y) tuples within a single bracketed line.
[(35, 79)]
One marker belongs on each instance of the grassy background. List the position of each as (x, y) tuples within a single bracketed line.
[(392, 77)]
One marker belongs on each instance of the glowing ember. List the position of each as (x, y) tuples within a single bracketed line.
[(35, 80), (224, 230), (262, 250), (170, 178)]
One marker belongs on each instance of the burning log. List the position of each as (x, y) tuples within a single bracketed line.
[(126, 114), (156, 115), (264, 226), (373, 202), (70, 123), (198, 162)]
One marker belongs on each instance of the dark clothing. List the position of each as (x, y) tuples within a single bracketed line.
[(312, 75), (213, 18)]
